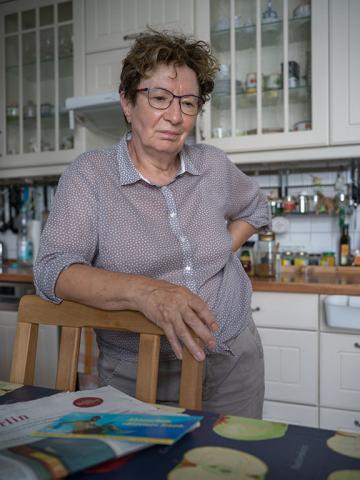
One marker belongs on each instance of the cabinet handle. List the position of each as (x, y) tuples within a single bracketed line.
[(356, 423), (357, 345), (256, 309)]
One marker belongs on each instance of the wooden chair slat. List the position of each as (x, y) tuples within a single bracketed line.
[(191, 381), (148, 367), (68, 358), (24, 354)]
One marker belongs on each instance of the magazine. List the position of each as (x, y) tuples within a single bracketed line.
[(162, 429), (22, 457)]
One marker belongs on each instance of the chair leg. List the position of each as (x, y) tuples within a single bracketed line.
[(191, 381), (148, 368), (24, 356), (68, 358)]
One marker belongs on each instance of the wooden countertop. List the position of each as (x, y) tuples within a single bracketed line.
[(12, 273), (321, 280)]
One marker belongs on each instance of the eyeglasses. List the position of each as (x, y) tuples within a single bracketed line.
[(161, 99)]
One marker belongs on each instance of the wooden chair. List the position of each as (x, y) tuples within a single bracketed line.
[(72, 317)]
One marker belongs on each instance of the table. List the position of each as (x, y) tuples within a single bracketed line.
[(301, 453)]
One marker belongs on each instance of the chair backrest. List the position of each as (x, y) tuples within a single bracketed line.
[(72, 317)]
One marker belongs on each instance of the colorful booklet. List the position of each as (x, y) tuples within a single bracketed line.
[(163, 429)]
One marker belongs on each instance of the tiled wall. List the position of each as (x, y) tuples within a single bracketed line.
[(313, 233)]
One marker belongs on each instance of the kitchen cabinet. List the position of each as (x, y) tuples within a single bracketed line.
[(340, 367), (114, 24), (344, 71), (46, 361), (290, 341), (111, 27), (37, 69), (311, 369), (257, 104)]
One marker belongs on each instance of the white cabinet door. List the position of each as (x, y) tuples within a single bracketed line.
[(285, 310), (340, 420), (47, 352), (344, 71), (291, 365), (340, 371), (291, 413), (103, 71), (112, 24)]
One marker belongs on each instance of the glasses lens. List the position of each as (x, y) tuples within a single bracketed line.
[(190, 105), (159, 98)]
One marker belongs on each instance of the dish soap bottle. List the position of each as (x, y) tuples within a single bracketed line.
[(24, 244)]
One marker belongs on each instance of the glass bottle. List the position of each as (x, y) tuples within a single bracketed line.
[(24, 244), (266, 255), (344, 247)]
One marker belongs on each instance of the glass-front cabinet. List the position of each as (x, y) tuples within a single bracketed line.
[(271, 90), (37, 71)]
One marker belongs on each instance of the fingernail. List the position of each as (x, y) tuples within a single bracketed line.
[(212, 344), (200, 356)]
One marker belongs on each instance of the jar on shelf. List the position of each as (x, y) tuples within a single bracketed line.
[(301, 259), (246, 256), (328, 259), (289, 204), (287, 258), (266, 255)]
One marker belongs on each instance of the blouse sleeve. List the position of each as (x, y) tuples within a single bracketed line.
[(245, 200), (70, 234)]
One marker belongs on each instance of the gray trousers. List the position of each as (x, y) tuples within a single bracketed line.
[(232, 384)]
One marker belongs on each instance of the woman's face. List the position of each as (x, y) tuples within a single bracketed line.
[(162, 131)]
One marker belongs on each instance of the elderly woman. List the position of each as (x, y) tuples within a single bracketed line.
[(151, 224)]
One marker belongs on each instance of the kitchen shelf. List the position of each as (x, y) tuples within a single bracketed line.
[(271, 33), (270, 98)]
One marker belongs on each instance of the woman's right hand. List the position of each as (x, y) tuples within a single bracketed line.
[(176, 310)]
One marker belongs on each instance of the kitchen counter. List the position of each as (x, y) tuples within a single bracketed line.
[(11, 273), (321, 280)]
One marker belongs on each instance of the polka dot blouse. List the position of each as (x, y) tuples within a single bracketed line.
[(106, 215)]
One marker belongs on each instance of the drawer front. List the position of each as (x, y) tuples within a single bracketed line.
[(340, 371), (291, 413), (291, 365), (333, 419), (286, 310)]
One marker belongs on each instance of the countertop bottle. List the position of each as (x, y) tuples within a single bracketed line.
[(24, 244), (344, 247)]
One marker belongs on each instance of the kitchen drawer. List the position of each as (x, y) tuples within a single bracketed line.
[(291, 365), (290, 413), (340, 371), (333, 419), (286, 310)]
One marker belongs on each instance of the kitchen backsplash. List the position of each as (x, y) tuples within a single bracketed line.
[(310, 232)]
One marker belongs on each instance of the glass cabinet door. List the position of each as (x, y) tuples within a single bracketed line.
[(38, 78), (254, 94)]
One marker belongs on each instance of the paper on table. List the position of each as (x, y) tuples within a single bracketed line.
[(18, 421)]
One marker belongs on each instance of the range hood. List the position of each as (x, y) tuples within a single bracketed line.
[(101, 113)]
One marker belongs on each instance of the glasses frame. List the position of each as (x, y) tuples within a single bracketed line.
[(149, 90)]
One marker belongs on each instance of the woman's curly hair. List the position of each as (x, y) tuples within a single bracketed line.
[(153, 48)]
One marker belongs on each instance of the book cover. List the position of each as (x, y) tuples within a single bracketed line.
[(162, 429)]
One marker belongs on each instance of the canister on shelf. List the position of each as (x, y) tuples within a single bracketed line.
[(327, 259), (246, 256), (266, 255), (301, 259), (287, 258)]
